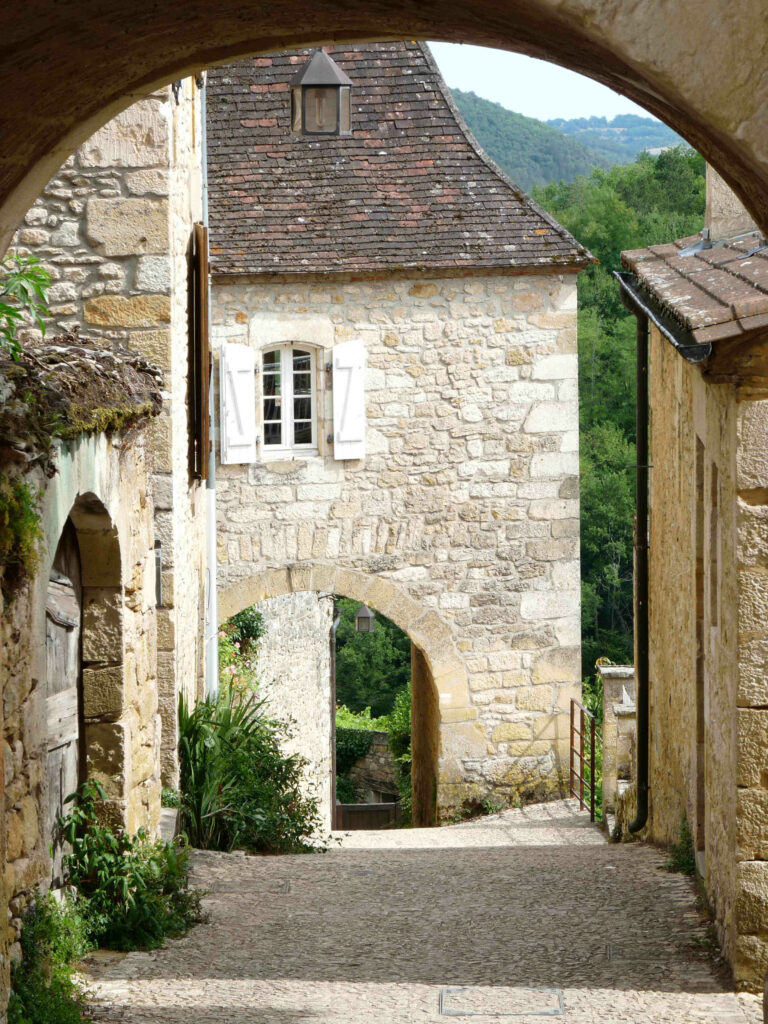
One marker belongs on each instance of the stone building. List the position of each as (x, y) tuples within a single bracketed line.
[(707, 304), (410, 316), (78, 656), (113, 228)]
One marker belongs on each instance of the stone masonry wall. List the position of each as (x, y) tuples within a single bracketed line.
[(113, 228), (294, 672), (709, 479), (375, 773), (122, 727), (466, 503)]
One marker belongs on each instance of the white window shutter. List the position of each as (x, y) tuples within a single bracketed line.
[(349, 400), (238, 404)]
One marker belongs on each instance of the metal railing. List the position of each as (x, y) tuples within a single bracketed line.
[(577, 752)]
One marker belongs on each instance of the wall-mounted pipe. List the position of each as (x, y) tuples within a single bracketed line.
[(631, 302)]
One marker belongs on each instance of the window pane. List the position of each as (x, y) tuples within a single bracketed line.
[(301, 360), (271, 383), (302, 408), (320, 109), (272, 433), (272, 359), (302, 383), (272, 408), (302, 433)]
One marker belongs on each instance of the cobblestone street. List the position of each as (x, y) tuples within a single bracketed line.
[(529, 913)]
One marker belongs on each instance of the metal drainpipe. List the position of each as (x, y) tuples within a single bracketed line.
[(211, 603), (641, 572), (334, 812)]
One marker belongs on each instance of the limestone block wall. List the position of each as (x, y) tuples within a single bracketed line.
[(708, 606), (375, 773), (104, 485), (619, 725), (113, 229), (294, 673), (465, 506)]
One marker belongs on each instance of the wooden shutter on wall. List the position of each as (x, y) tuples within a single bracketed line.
[(199, 354), (238, 404), (349, 400)]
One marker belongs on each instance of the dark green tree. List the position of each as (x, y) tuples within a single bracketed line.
[(370, 667)]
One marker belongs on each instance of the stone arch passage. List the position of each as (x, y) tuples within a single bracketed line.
[(709, 86), (102, 674), (444, 726)]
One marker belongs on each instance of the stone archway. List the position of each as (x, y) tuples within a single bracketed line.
[(102, 664), (444, 722), (708, 84)]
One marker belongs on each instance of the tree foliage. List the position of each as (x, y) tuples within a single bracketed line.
[(653, 200), (370, 667)]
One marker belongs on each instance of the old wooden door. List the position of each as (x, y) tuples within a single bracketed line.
[(63, 618)]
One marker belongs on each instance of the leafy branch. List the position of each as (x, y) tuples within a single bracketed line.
[(24, 284)]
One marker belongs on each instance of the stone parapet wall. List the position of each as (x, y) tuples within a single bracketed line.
[(619, 725), (466, 502), (375, 774)]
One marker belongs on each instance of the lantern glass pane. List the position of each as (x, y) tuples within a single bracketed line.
[(345, 119), (296, 110), (321, 110)]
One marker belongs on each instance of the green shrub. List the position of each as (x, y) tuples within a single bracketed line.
[(20, 531), (346, 791), (43, 987), (682, 856), (239, 790), (135, 888), (346, 719), (170, 797), (246, 630), (351, 745)]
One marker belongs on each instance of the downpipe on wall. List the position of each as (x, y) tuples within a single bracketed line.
[(634, 304)]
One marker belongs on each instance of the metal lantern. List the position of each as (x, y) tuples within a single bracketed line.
[(320, 98), (365, 619)]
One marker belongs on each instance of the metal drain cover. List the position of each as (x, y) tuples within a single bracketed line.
[(501, 1001)]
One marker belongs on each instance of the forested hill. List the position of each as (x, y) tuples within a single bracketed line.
[(621, 139), (531, 152), (535, 152)]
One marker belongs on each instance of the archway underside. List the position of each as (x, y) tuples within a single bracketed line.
[(67, 69)]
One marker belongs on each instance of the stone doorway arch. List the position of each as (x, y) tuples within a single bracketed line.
[(93, 537), (444, 722), (708, 86)]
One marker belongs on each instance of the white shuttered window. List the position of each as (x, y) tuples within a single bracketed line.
[(349, 400), (238, 404), (289, 400)]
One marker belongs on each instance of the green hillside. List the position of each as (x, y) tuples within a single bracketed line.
[(536, 152), (531, 152), (621, 139)]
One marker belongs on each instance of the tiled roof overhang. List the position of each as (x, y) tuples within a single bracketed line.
[(410, 189)]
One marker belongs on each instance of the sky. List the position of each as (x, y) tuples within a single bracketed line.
[(535, 88)]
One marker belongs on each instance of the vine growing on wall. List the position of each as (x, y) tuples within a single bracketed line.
[(20, 532), (24, 286)]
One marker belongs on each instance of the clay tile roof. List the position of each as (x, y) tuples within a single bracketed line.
[(410, 188), (715, 293)]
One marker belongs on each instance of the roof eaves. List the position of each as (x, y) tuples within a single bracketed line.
[(586, 255)]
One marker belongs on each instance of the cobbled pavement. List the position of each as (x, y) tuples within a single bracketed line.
[(378, 927)]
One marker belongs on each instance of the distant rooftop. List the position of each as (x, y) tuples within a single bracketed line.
[(410, 188), (714, 294)]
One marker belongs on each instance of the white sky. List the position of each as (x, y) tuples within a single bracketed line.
[(535, 88)]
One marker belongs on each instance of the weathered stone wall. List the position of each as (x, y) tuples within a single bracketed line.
[(466, 502), (708, 607), (294, 673), (375, 773), (113, 228), (105, 486), (619, 725)]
